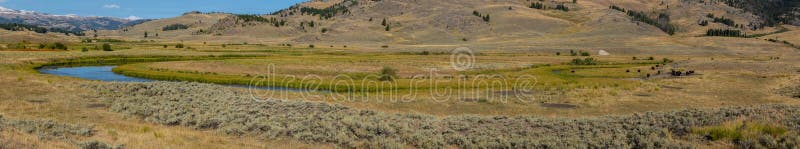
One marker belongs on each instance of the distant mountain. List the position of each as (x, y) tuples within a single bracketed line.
[(66, 22)]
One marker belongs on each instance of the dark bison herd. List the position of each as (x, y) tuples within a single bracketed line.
[(679, 73), (673, 72)]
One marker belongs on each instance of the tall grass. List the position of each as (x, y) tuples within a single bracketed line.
[(594, 76), (740, 130)]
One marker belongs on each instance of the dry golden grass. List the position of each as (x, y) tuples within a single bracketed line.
[(721, 82), (14, 139), (725, 80), (27, 95), (59, 100)]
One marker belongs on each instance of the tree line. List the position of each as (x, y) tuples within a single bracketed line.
[(662, 21), (328, 12), (539, 5), (174, 27), (722, 20), (256, 18), (37, 29), (724, 32), (773, 12)]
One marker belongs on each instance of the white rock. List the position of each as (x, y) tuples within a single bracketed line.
[(603, 53)]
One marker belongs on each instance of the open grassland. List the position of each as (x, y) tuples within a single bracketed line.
[(158, 114), (617, 84), (413, 72)]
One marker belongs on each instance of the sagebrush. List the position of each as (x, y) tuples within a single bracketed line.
[(205, 106)]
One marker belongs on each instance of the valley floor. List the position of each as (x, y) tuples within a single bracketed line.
[(731, 100)]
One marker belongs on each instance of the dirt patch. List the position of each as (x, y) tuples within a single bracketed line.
[(37, 101), (512, 93), (473, 100), (96, 105), (671, 87)]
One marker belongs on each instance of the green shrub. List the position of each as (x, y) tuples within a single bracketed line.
[(59, 45), (17, 46), (388, 74), (586, 61), (583, 53), (107, 47), (179, 46)]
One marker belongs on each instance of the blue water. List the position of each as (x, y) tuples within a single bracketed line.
[(104, 73), (100, 73)]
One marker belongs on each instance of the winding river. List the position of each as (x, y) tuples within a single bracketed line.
[(104, 73), (100, 73)]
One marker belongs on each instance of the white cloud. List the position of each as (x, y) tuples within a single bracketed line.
[(133, 18), (109, 6)]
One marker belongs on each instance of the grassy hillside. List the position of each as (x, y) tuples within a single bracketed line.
[(155, 29), (428, 22), (7, 36)]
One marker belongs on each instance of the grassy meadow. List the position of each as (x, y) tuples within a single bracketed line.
[(554, 87)]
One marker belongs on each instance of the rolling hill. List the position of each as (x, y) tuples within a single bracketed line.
[(486, 24)]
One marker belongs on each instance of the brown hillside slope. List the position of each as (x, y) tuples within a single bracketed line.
[(419, 24)]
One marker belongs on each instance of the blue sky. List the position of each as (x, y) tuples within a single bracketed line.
[(149, 9)]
